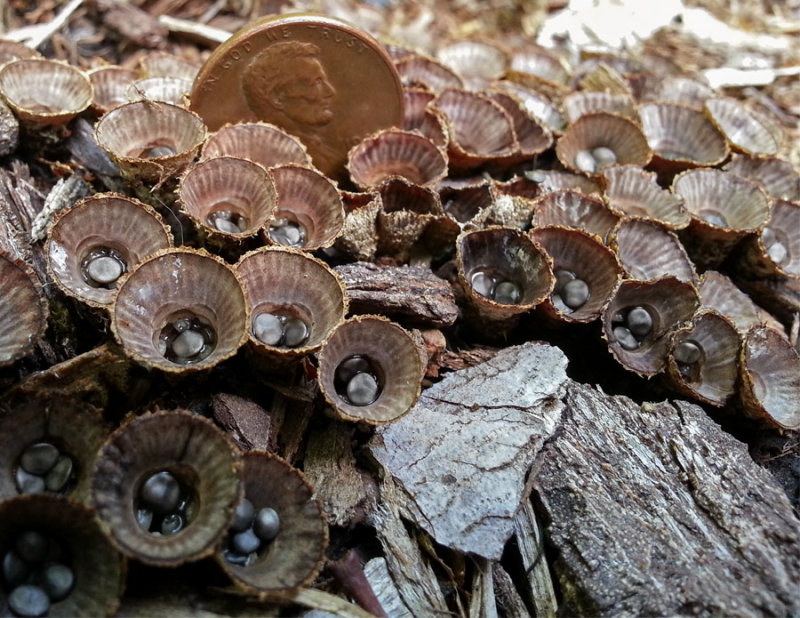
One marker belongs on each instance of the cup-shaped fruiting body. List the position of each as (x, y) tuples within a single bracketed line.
[(260, 142), (228, 198), (601, 139), (49, 446), (638, 320), (415, 68), (370, 370), (503, 272), (775, 251), (776, 176), (165, 486), (719, 293), (481, 131), (536, 104), (532, 136), (91, 245), (296, 300), (44, 92), (703, 358), (724, 208), (647, 250), (769, 367), (539, 69), (466, 205), (23, 310), (393, 153), (412, 221), (477, 62), (418, 116), (173, 90), (681, 137), (632, 192), (278, 538), (747, 130), (109, 87), (555, 180), (163, 64), (359, 236), (309, 214), (150, 140), (681, 89), (586, 272), (13, 50), (180, 310), (56, 560), (576, 210), (580, 103)]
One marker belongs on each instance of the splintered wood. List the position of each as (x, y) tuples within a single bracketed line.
[(654, 510)]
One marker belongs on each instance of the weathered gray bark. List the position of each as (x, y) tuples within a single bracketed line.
[(654, 510), (462, 453)]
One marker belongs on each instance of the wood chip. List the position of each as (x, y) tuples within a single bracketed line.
[(409, 294), (463, 451), (654, 510)]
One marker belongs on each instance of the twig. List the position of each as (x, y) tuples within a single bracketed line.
[(207, 34), (33, 36)]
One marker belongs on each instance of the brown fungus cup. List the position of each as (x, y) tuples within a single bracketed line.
[(586, 272), (150, 140), (639, 318), (296, 300), (48, 446), (92, 244), (44, 92), (503, 272), (181, 310), (228, 198), (56, 559), (769, 368), (165, 486), (370, 370), (278, 537), (23, 309)]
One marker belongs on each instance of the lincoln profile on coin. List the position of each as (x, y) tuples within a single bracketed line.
[(286, 85)]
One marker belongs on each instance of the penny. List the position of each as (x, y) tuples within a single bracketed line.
[(320, 79)]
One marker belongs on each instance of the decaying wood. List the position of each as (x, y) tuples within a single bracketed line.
[(531, 548), (411, 572), (9, 130), (141, 28), (378, 576), (245, 421), (483, 603), (409, 294), (347, 493), (508, 599), (463, 451), (654, 510)]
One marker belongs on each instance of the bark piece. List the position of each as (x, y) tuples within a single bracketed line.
[(247, 422), (531, 548), (654, 510), (382, 584), (9, 130), (463, 451), (409, 294), (508, 599), (133, 23), (347, 493), (411, 572)]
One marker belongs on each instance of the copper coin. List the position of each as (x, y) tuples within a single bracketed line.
[(320, 79)]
